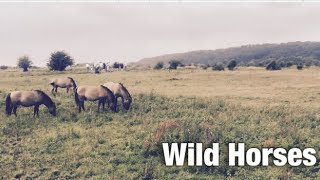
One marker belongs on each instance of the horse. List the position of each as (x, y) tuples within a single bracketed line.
[(98, 67), (29, 98), (62, 82), (119, 90), (94, 93)]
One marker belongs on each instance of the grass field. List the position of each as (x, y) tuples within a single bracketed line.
[(258, 107)]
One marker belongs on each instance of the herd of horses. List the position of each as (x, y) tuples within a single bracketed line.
[(98, 67), (106, 93)]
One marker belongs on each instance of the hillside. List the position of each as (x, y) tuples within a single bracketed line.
[(257, 55)]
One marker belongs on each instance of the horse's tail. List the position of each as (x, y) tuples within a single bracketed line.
[(74, 85), (8, 104), (76, 96)]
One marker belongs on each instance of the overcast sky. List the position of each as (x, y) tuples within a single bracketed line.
[(129, 32)]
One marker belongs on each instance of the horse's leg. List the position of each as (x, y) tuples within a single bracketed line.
[(82, 105), (103, 104), (36, 110), (52, 90), (79, 106), (67, 89), (15, 110), (56, 89), (99, 103)]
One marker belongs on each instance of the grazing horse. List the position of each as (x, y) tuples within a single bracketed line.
[(120, 91), (29, 98), (94, 93), (63, 82)]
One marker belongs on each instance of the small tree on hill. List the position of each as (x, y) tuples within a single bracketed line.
[(173, 64), (273, 66), (59, 61), (232, 64), (24, 62), (300, 66), (159, 65), (218, 67)]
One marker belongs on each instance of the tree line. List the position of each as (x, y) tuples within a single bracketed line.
[(174, 64), (284, 54)]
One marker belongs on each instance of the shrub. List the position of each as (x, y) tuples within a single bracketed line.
[(3, 67), (217, 67), (59, 61), (173, 64), (289, 64), (300, 66), (232, 64), (273, 66), (159, 65), (24, 62)]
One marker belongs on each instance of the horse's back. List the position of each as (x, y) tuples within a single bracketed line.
[(91, 93), (114, 87), (62, 81), (25, 98)]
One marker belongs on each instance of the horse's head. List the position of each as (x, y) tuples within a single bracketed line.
[(126, 104), (53, 109)]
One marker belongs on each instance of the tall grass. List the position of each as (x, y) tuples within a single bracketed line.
[(127, 145)]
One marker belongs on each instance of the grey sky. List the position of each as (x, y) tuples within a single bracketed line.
[(128, 32)]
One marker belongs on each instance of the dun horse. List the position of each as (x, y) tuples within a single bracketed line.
[(120, 91), (29, 98), (63, 82), (94, 93)]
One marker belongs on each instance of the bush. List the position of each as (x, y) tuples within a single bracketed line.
[(217, 67), (300, 66), (273, 66), (59, 61), (173, 64), (232, 64), (3, 67), (159, 65), (24, 63)]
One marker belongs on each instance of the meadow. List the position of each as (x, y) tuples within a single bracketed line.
[(251, 105)]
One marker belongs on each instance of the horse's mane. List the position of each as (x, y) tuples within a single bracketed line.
[(73, 82), (44, 95), (109, 91), (125, 89)]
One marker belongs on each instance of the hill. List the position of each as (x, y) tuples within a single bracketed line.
[(256, 55)]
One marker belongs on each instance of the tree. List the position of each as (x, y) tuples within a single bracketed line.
[(218, 67), (300, 66), (232, 64), (173, 64), (3, 67), (24, 62), (159, 65), (273, 66), (59, 61)]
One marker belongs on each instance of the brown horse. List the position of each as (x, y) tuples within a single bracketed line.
[(63, 82), (29, 98), (120, 91), (94, 93)]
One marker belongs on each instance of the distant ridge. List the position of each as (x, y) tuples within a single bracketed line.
[(260, 54)]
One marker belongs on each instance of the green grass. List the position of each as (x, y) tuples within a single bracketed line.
[(127, 145)]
